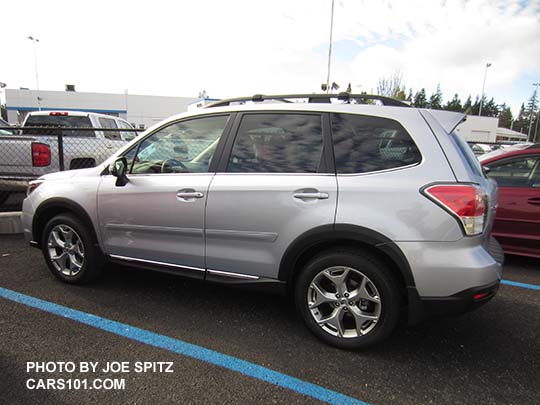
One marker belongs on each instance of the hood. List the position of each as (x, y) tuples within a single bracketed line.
[(68, 174)]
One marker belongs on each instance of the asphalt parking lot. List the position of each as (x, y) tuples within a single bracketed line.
[(491, 355)]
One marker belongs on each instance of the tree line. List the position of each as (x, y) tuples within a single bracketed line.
[(527, 117)]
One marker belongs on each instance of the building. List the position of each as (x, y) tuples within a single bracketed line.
[(486, 130), (505, 134), (479, 129), (142, 111)]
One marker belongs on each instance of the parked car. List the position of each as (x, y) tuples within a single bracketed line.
[(517, 223), (481, 148), (5, 130), (359, 211), (27, 156)]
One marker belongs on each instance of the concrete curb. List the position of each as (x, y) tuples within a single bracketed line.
[(10, 222)]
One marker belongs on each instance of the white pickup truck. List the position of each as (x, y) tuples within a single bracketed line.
[(35, 151)]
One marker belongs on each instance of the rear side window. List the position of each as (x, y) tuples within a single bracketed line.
[(67, 121), (468, 155), (111, 124), (368, 144), (277, 143)]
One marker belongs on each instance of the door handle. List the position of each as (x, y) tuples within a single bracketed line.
[(311, 195), (533, 201), (186, 195)]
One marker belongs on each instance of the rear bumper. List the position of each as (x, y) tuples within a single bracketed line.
[(450, 293), (465, 301), (15, 185)]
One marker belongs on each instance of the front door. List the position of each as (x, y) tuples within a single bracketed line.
[(157, 218)]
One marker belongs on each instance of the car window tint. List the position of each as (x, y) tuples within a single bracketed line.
[(366, 144), (516, 172), (126, 135), (111, 124), (68, 121), (277, 143), (183, 147)]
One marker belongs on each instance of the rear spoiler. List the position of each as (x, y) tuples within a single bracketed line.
[(449, 120)]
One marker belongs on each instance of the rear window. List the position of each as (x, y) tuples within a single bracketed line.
[(468, 155), (365, 144), (66, 121)]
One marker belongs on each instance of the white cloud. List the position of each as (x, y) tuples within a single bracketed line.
[(244, 47)]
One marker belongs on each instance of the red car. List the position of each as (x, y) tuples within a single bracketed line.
[(517, 172)]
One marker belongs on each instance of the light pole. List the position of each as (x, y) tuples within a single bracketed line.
[(483, 87), (532, 110), (330, 49), (34, 40)]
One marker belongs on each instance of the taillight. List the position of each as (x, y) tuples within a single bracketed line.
[(466, 202), (41, 154), (32, 185), (58, 114)]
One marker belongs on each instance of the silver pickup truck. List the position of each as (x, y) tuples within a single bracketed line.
[(33, 150)]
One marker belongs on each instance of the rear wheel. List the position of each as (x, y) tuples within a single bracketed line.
[(349, 299), (70, 251)]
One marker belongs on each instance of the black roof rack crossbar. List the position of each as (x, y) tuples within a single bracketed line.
[(313, 98)]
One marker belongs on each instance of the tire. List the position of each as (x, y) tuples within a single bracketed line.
[(78, 259), (349, 299)]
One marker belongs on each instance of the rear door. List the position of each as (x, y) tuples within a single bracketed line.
[(273, 185), (517, 223)]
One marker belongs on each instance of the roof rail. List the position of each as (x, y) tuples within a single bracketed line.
[(313, 98)]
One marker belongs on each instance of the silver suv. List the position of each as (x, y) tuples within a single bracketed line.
[(362, 212)]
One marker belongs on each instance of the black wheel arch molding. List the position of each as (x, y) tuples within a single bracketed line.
[(55, 206), (327, 236)]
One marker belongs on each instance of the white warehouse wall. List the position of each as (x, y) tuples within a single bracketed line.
[(137, 109), (479, 129)]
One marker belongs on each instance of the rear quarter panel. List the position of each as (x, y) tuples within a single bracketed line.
[(390, 202)]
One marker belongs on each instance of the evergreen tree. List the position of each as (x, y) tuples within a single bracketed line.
[(532, 110), (520, 124), (420, 99), (454, 104), (435, 101), (475, 108), (410, 96), (505, 116), (490, 108), (467, 107)]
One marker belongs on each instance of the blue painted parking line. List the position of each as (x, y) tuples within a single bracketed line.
[(185, 349), (522, 285)]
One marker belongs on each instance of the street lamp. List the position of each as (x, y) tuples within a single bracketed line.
[(532, 108), (34, 40), (330, 49), (483, 87)]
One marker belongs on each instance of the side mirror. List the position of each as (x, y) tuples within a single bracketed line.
[(119, 170)]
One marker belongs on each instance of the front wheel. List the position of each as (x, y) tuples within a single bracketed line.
[(70, 251), (349, 299)]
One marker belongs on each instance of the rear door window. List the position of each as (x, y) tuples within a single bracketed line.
[(110, 124), (364, 144), (277, 143)]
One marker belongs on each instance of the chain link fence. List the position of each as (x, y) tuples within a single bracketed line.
[(27, 153)]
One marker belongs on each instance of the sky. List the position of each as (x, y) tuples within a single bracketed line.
[(238, 48)]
